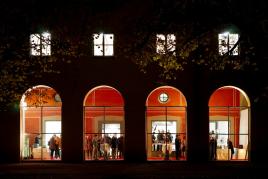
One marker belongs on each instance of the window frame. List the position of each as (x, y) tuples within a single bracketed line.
[(224, 49), (103, 45), (168, 46), (42, 47)]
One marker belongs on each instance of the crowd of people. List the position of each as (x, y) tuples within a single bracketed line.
[(103, 147), (163, 142)]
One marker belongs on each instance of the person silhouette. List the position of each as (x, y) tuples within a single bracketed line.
[(231, 147)]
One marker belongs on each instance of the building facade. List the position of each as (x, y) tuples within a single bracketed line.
[(102, 106)]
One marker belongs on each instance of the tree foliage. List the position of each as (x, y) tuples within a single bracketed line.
[(195, 23), (196, 38)]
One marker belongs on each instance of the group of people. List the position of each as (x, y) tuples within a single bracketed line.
[(163, 142), (160, 139), (213, 147), (180, 147), (104, 147), (54, 144)]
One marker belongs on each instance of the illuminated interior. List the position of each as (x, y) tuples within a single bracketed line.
[(40, 110), (103, 44), (40, 44), (229, 119), (227, 42), (165, 43), (166, 124), (104, 124)]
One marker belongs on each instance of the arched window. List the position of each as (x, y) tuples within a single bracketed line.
[(40, 110), (229, 119), (104, 124), (166, 123)]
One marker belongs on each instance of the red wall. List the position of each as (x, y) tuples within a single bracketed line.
[(104, 96), (225, 97), (176, 98), (100, 97), (33, 119)]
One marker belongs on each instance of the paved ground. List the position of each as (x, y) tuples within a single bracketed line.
[(151, 170)]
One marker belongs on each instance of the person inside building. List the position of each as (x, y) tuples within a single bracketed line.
[(88, 147), (177, 147), (52, 147), (120, 146), (57, 146), (213, 147), (230, 147), (37, 141), (95, 147), (153, 142)]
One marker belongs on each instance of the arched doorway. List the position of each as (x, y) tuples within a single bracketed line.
[(229, 119), (40, 110), (166, 124), (104, 124)]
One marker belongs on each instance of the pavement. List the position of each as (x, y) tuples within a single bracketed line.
[(122, 169)]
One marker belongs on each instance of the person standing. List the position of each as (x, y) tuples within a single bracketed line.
[(37, 140), (121, 146), (231, 147), (183, 147), (177, 147), (114, 146), (213, 148), (52, 146), (153, 142), (95, 147), (57, 146)]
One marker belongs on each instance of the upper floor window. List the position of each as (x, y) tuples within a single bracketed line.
[(227, 43), (41, 44), (103, 44), (165, 43)]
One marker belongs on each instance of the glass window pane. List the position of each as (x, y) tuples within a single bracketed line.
[(46, 44), (223, 39), (104, 133), (166, 138), (233, 38), (227, 42), (109, 50), (171, 43), (223, 49), (235, 50), (35, 44), (160, 43), (108, 39), (98, 38), (35, 115), (212, 127), (98, 50)]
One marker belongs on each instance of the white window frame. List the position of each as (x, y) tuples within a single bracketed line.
[(103, 44), (165, 43), (226, 43), (40, 44)]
